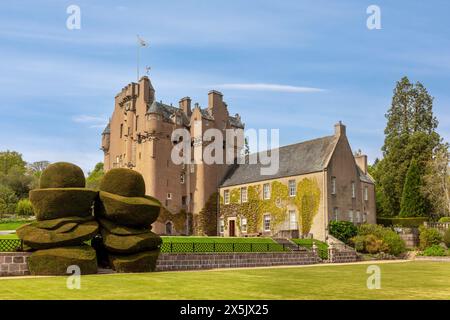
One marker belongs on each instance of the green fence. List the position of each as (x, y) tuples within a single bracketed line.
[(11, 245)]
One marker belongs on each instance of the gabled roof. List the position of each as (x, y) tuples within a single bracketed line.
[(166, 111), (365, 177), (295, 159)]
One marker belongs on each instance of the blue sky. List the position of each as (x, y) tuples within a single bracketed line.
[(58, 85)]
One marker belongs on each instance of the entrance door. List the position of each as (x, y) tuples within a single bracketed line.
[(231, 228), (293, 220)]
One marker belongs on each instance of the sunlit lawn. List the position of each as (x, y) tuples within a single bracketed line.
[(406, 280)]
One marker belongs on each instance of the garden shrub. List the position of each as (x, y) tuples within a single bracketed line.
[(428, 237), (124, 182), (444, 219), (342, 230), (57, 203), (132, 243), (410, 222), (139, 262), (446, 238), (434, 251), (62, 175), (374, 238), (24, 208)]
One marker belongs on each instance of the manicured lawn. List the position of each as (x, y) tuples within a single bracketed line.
[(12, 225), (307, 243), (407, 280), (8, 236)]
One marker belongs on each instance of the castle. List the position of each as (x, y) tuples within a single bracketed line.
[(318, 180), (139, 136)]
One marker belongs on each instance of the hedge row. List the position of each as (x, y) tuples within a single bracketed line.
[(414, 222)]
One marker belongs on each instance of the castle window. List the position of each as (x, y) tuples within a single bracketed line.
[(169, 196), (335, 214), (226, 196), (350, 215), (366, 193), (358, 217), (333, 185), (169, 227), (293, 225), (243, 195), (243, 224), (137, 122), (182, 178), (121, 130), (266, 191), (292, 188), (221, 225), (183, 200), (192, 166), (267, 222), (353, 190)]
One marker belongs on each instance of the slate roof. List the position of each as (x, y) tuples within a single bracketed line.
[(365, 177), (166, 111), (236, 122), (295, 159)]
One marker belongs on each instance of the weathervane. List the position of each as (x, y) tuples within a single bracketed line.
[(140, 43)]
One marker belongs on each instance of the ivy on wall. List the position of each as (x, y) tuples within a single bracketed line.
[(178, 219), (207, 219), (306, 200)]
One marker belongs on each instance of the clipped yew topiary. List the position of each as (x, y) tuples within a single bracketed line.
[(128, 211), (62, 175), (56, 261), (56, 223), (119, 229), (37, 238), (140, 262), (124, 182), (57, 203), (130, 243)]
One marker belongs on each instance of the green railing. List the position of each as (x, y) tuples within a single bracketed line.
[(199, 247), (11, 245)]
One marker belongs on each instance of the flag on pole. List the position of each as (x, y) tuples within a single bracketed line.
[(142, 42)]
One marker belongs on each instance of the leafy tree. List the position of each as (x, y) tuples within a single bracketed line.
[(95, 176), (8, 200), (437, 181), (18, 181), (413, 203), (10, 159), (410, 133), (24, 208)]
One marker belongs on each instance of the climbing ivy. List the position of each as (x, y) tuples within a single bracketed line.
[(307, 200), (178, 219), (207, 219)]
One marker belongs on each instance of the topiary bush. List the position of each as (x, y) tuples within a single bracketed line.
[(124, 182), (56, 203), (342, 230), (24, 208), (434, 251), (428, 237), (140, 262), (446, 238), (62, 175), (130, 243), (444, 219)]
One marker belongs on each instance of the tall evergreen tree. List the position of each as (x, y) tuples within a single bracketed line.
[(410, 133), (413, 203)]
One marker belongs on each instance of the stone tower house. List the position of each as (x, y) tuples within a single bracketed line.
[(139, 136)]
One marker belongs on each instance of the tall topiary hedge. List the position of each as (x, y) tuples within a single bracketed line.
[(413, 203)]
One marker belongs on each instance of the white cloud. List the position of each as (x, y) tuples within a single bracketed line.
[(267, 87), (94, 121)]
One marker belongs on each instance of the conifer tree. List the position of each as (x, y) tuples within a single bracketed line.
[(413, 203)]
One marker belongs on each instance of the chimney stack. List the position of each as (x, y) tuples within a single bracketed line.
[(215, 99), (185, 105), (361, 162), (339, 129)]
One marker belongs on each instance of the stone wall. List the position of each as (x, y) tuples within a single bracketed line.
[(341, 256), (190, 261), (13, 264)]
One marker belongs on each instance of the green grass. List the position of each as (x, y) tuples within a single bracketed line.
[(9, 236), (307, 243), (12, 225), (408, 280)]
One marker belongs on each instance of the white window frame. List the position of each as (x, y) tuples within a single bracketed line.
[(353, 189), (169, 196), (335, 213), (293, 225), (266, 218), (266, 191), (292, 188), (366, 193), (221, 226), (182, 178), (358, 217), (350, 216), (243, 223), (226, 196), (333, 185), (244, 199)]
